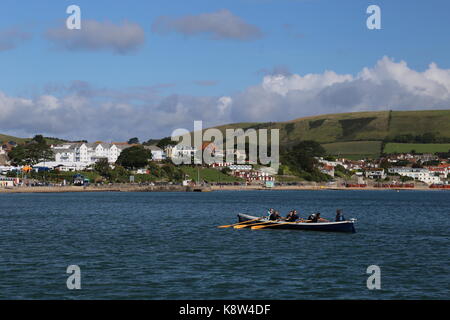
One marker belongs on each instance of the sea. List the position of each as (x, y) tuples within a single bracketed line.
[(167, 246)]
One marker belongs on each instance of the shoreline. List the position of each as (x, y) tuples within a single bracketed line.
[(133, 188)]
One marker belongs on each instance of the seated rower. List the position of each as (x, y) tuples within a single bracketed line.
[(339, 215), (315, 217), (274, 216), (292, 216)]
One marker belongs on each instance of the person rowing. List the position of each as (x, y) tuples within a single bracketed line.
[(274, 216), (315, 217), (292, 216), (339, 215)]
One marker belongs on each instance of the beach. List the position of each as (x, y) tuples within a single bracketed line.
[(179, 188)]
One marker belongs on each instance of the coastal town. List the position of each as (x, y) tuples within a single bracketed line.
[(73, 164)]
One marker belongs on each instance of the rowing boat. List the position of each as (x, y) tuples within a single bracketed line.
[(340, 226)]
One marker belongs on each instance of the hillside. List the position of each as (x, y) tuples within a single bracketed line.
[(353, 135), (6, 138), (360, 133)]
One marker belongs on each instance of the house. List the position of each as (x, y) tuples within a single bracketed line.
[(327, 169), (181, 151), (375, 173), (157, 153), (332, 163), (420, 174), (440, 170)]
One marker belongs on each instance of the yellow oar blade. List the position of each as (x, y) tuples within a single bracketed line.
[(248, 225), (232, 225), (260, 227), (271, 225)]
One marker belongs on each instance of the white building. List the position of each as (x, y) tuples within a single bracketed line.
[(181, 151), (420, 174), (375, 173), (87, 153), (157, 153), (78, 156)]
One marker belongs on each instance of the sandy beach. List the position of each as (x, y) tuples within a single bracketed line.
[(178, 188)]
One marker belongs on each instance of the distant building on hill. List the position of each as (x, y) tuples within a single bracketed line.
[(157, 153)]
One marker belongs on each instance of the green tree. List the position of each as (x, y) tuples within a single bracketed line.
[(119, 174), (301, 156), (225, 170), (164, 142), (134, 157), (301, 161), (133, 141), (102, 167), (39, 139), (32, 152)]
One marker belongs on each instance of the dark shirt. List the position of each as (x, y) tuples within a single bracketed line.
[(274, 216), (292, 217)]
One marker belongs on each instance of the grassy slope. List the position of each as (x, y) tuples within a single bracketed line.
[(345, 149), (208, 174), (365, 130), (6, 138), (420, 122), (418, 147)]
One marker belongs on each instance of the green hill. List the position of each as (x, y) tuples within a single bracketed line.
[(358, 134), (6, 138)]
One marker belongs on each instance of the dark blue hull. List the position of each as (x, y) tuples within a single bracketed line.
[(342, 226)]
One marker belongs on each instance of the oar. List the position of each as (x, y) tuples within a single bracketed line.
[(232, 225), (249, 225), (279, 224), (272, 225)]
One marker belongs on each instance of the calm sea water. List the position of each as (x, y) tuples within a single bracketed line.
[(167, 246)]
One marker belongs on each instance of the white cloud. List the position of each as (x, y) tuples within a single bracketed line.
[(80, 111), (387, 85)]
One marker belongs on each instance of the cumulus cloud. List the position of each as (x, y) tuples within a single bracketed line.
[(388, 85), (123, 38), (222, 24), (81, 111), (11, 38)]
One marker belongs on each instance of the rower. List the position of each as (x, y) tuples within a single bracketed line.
[(313, 217), (275, 215), (292, 216), (339, 215)]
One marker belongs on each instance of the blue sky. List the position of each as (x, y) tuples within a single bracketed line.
[(299, 37)]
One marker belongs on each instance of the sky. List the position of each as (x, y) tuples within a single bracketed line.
[(145, 68)]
